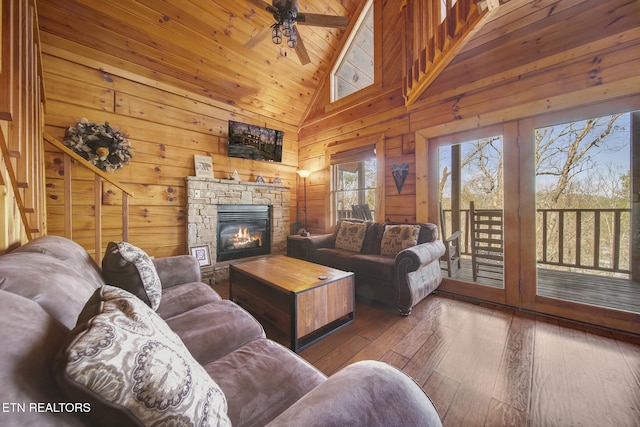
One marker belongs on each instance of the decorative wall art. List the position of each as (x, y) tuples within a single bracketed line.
[(102, 145), (201, 253), (400, 173), (203, 166)]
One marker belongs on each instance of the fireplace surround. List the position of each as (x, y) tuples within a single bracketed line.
[(205, 195)]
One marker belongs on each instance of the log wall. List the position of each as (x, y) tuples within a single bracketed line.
[(166, 128), (534, 58)]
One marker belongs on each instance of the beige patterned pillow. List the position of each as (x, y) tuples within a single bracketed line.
[(351, 236), (398, 237), (133, 369)]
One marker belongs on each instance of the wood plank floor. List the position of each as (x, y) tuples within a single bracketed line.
[(488, 365)]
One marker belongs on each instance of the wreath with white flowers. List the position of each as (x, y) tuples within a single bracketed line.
[(103, 146)]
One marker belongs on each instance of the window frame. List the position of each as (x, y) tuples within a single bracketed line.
[(377, 58), (360, 142), (361, 190)]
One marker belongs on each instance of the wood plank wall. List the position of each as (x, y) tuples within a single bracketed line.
[(537, 57), (166, 127)]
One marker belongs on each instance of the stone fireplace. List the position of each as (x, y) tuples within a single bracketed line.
[(205, 196)]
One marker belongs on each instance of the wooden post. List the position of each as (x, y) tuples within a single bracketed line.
[(634, 262)]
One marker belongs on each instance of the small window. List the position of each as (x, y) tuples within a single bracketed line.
[(354, 69), (354, 183)]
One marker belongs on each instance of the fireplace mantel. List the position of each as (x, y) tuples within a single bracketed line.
[(205, 194)]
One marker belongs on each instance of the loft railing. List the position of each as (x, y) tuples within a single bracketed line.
[(99, 178), (589, 239), (434, 32)]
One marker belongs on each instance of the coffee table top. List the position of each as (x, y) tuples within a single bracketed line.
[(289, 274)]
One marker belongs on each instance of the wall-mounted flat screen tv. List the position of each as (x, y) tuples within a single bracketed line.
[(255, 142)]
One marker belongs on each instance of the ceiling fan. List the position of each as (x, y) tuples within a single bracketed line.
[(285, 12)]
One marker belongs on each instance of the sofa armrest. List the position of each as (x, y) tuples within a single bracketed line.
[(312, 243), (177, 270), (417, 273), (366, 393), (415, 257)]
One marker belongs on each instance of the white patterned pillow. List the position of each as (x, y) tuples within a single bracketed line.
[(133, 369), (130, 268), (398, 237), (351, 236)]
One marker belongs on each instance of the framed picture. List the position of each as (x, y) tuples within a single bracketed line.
[(201, 253), (203, 166)]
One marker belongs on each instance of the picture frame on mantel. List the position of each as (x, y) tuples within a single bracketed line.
[(203, 166), (202, 254)]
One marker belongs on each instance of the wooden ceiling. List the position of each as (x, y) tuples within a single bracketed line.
[(199, 46)]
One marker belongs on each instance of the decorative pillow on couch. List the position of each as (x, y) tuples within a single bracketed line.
[(125, 361), (131, 269), (398, 237), (351, 236)]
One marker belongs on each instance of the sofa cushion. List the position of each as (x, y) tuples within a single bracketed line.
[(350, 236), (131, 269), (60, 290), (126, 362), (261, 380), (30, 338), (215, 329), (336, 258), (178, 299), (373, 238), (398, 237), (379, 267), (428, 231), (74, 256)]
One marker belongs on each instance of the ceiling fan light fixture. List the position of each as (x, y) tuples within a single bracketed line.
[(276, 34), (292, 39), (287, 25)]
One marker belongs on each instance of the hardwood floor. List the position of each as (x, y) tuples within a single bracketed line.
[(488, 365)]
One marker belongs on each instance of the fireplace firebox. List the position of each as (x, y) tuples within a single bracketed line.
[(243, 231)]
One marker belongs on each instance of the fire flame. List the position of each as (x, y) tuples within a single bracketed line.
[(243, 238)]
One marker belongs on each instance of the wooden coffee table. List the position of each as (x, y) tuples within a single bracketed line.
[(303, 300)]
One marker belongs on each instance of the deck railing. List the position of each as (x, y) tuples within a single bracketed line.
[(590, 239), (348, 214)]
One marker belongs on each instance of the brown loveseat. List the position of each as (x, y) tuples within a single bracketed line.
[(404, 274), (53, 296)]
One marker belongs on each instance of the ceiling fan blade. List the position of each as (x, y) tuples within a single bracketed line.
[(319, 20), (255, 40), (301, 51)]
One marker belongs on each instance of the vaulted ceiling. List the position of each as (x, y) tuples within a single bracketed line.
[(199, 46)]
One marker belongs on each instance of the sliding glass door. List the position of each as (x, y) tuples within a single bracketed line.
[(583, 212)]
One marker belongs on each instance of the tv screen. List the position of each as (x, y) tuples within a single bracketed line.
[(254, 142)]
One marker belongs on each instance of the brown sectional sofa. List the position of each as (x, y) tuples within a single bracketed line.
[(47, 283), (404, 279)]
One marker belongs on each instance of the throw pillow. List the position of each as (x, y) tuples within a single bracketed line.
[(351, 236), (398, 237), (126, 362), (131, 269)]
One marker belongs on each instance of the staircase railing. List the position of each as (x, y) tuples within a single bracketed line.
[(99, 178), (435, 32)]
